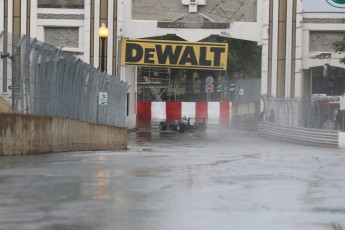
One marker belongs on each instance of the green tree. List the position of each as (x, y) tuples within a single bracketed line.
[(339, 47), (244, 57)]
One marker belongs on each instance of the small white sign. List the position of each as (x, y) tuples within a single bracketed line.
[(342, 103), (103, 98), (241, 92), (209, 88)]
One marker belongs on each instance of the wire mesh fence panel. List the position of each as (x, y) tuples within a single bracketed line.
[(45, 80), (317, 112)]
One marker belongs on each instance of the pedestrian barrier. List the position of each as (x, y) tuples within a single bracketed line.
[(316, 112), (152, 112), (301, 135)]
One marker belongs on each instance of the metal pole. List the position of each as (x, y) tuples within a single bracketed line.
[(118, 58), (169, 83), (97, 109), (342, 120), (14, 96), (175, 89), (103, 54)]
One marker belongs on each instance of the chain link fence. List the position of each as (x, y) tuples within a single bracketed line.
[(48, 81), (318, 112)]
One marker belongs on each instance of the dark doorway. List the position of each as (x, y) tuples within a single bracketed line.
[(328, 80)]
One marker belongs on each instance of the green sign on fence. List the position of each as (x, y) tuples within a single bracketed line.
[(103, 98)]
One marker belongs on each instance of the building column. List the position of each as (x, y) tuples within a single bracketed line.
[(281, 51), (87, 31), (33, 19), (282, 45), (115, 39), (273, 48), (95, 24), (2, 15), (3, 24), (110, 16), (298, 87), (289, 43), (265, 46)]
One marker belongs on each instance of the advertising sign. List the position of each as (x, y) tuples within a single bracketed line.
[(323, 6), (174, 54), (337, 3)]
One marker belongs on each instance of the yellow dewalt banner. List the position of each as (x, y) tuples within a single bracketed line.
[(162, 53)]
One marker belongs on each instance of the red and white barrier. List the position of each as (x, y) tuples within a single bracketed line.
[(213, 112)]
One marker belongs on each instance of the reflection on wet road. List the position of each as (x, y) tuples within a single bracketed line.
[(216, 180)]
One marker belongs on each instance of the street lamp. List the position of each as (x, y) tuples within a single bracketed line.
[(103, 34)]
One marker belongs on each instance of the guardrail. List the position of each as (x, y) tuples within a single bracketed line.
[(328, 138)]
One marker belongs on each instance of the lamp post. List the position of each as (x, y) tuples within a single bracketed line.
[(103, 34)]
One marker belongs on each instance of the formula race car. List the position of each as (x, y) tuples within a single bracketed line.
[(184, 125)]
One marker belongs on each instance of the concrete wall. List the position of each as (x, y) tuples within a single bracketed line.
[(26, 134)]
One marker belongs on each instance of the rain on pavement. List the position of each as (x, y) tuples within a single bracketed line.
[(222, 179)]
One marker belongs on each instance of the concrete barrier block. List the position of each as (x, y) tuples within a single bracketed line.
[(26, 134), (342, 140)]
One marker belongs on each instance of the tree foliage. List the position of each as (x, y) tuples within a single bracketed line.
[(339, 47), (248, 58), (244, 57)]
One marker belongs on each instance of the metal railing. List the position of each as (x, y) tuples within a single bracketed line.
[(312, 120), (317, 112), (49, 81), (319, 137)]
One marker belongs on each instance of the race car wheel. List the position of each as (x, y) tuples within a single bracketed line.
[(181, 128), (163, 125)]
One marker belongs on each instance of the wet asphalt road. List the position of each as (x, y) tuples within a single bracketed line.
[(228, 179)]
